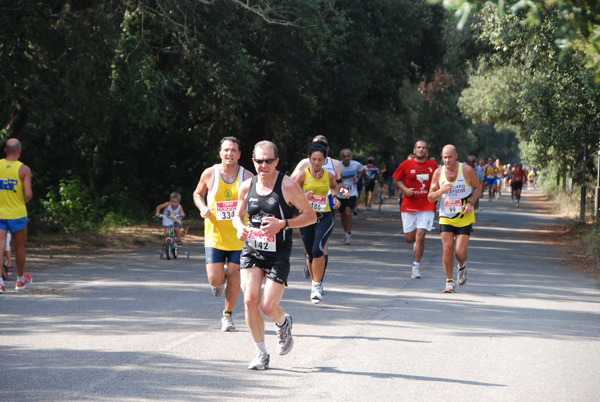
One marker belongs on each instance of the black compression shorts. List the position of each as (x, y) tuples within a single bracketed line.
[(457, 230)]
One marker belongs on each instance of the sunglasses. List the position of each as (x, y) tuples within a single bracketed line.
[(267, 161)]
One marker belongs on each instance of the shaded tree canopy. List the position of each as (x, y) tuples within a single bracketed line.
[(119, 103)]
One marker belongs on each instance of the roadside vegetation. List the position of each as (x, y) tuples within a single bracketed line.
[(582, 237)]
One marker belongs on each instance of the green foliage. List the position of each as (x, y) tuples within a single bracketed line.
[(118, 103), (524, 85), (72, 206), (576, 22), (114, 220)]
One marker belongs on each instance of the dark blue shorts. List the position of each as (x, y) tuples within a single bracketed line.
[(214, 256)]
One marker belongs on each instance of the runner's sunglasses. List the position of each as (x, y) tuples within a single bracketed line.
[(268, 161)]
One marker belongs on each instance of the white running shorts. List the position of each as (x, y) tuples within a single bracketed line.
[(412, 221)]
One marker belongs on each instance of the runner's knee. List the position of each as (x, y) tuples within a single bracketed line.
[(269, 309)]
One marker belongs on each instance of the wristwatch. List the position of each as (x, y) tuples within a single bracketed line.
[(287, 224), (472, 204)]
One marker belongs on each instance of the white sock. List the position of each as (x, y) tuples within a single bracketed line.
[(21, 278), (261, 347), (416, 264)]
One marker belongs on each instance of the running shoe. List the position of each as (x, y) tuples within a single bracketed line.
[(306, 272), (415, 273), (449, 287), (462, 275), (260, 361), (22, 285), (2, 287), (227, 324), (316, 294), (347, 238), (284, 335), (218, 290)]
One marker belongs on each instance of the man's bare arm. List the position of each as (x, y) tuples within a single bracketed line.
[(201, 190)]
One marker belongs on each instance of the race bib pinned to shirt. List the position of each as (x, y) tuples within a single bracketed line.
[(318, 203), (452, 207), (225, 210), (258, 241)]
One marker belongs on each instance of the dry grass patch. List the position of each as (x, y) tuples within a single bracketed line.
[(51, 250)]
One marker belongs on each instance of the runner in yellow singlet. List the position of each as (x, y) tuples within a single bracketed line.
[(15, 191), (457, 187), (334, 166), (490, 176), (317, 183), (216, 197)]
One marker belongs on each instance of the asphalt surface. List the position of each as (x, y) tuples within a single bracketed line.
[(133, 327)]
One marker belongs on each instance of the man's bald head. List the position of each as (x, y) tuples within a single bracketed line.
[(449, 148), (13, 146), (449, 156)]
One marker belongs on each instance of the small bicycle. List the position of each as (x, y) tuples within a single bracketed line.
[(170, 247), (380, 196)]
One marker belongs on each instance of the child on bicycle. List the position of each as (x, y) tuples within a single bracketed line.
[(172, 214)]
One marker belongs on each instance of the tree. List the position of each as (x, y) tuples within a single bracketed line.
[(523, 84), (577, 22)]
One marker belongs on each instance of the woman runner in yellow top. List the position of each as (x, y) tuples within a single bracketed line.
[(317, 183)]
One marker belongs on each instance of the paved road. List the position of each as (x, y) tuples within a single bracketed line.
[(136, 328)]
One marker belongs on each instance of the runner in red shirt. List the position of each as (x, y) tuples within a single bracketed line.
[(518, 177), (413, 177)]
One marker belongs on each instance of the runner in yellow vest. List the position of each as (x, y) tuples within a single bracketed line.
[(216, 197), (457, 187), (15, 191), (317, 183)]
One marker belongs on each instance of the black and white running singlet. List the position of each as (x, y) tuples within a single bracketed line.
[(271, 205)]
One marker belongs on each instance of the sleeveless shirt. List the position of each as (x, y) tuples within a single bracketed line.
[(12, 198), (328, 165), (222, 198), (451, 203), (273, 204), (320, 187), (169, 212)]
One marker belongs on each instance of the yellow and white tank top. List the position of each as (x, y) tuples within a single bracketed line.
[(320, 188), (222, 199), (12, 199), (451, 212)]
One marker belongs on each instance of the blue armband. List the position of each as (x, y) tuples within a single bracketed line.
[(331, 204)]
